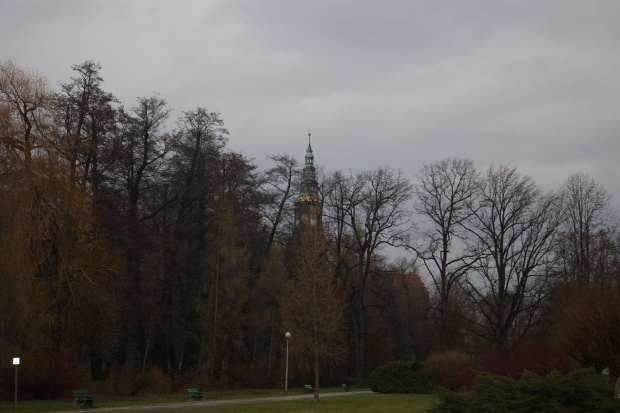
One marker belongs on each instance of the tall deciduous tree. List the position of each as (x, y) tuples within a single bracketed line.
[(138, 178), (314, 306), (367, 212), (513, 226), (340, 192), (144, 147), (587, 323), (230, 259), (587, 229), (25, 103), (379, 218), (445, 192), (88, 118), (198, 146), (265, 314), (278, 185), (586, 317), (50, 245)]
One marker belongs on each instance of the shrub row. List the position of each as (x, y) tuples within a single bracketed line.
[(401, 377), (452, 370), (579, 391)]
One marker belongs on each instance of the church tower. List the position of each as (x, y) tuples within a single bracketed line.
[(309, 209)]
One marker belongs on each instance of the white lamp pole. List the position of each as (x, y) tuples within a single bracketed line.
[(16, 363), (287, 335)]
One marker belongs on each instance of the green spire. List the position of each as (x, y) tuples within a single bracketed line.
[(309, 155), (309, 187)]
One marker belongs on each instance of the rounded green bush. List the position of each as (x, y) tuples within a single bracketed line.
[(401, 377)]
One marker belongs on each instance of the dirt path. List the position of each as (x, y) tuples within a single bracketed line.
[(207, 403)]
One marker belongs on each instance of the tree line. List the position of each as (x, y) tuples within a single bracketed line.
[(128, 239)]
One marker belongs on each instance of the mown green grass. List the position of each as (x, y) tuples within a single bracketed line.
[(354, 403)]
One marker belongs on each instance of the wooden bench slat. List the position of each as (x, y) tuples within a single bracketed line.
[(194, 394), (82, 397)]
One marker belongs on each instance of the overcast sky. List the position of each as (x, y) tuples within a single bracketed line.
[(535, 84)]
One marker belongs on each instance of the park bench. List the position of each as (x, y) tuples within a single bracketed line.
[(345, 387), (308, 388), (193, 394), (81, 397)]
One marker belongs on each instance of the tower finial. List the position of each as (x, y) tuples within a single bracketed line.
[(309, 134)]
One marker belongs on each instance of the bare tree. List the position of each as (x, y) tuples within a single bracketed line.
[(366, 212), (144, 150), (198, 145), (513, 227), (586, 228), (137, 177), (586, 316), (85, 111), (445, 192), (25, 101), (340, 195), (277, 187), (378, 218)]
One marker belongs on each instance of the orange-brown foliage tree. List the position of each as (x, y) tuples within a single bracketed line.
[(56, 268), (587, 324), (314, 305)]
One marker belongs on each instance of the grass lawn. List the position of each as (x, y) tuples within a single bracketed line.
[(355, 403)]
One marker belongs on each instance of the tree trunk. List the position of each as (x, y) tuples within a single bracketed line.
[(316, 376), (96, 365), (358, 326), (273, 319)]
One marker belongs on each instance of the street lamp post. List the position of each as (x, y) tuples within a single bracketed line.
[(16, 363), (287, 335)]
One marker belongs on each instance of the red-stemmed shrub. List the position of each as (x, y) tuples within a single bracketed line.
[(43, 375), (539, 358), (453, 370)]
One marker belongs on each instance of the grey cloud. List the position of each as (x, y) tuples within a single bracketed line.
[(532, 83)]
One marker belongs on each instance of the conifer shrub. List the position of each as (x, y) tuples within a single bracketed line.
[(579, 391), (401, 377), (453, 370)]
